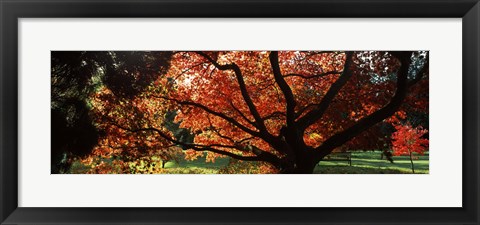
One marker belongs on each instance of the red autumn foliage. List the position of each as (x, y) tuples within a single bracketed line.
[(407, 140), (288, 109)]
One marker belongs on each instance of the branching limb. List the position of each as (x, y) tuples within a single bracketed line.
[(211, 111), (286, 90), (259, 155), (363, 124), (317, 113), (260, 123), (243, 89)]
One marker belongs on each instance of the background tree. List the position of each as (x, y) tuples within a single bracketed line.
[(408, 140)]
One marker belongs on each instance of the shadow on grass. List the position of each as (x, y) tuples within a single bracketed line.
[(354, 170), (372, 163)]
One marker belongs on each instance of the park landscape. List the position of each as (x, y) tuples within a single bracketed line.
[(239, 112)]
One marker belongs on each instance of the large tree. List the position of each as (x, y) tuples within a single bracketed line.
[(289, 109)]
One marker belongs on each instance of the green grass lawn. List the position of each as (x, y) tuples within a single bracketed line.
[(362, 163), (371, 163), (199, 163)]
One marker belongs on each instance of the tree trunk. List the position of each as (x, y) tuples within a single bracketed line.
[(163, 163), (300, 166), (304, 169), (411, 161)]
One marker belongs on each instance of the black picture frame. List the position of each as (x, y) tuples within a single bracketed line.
[(12, 10)]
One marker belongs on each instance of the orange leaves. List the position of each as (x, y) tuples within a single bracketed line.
[(313, 139), (192, 154), (211, 157), (113, 115), (210, 94)]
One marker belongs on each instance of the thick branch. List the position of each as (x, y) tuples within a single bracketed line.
[(287, 91), (259, 155), (260, 123), (211, 111), (301, 111), (266, 137), (317, 113), (275, 114), (374, 118)]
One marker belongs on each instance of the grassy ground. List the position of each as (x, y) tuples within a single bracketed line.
[(362, 163), (197, 166), (199, 163), (371, 163)]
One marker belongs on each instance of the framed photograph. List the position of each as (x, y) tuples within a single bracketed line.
[(253, 112)]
